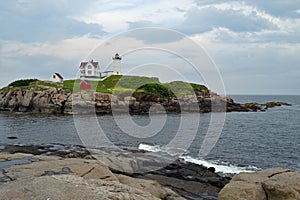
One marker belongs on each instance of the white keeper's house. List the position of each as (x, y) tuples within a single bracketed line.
[(90, 70)]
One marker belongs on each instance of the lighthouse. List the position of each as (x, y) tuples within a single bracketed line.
[(117, 64)]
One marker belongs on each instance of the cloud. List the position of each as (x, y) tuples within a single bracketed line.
[(140, 24), (68, 49), (115, 15), (154, 35), (199, 20), (277, 8), (224, 35), (240, 22), (36, 21)]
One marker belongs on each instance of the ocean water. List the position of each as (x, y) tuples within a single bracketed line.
[(247, 142)]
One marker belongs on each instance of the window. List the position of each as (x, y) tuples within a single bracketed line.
[(89, 72), (90, 67), (53, 76)]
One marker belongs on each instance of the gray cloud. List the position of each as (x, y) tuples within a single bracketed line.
[(282, 37), (140, 24), (205, 19), (278, 8), (154, 35), (37, 21)]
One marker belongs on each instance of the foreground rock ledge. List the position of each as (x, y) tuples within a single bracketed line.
[(114, 175), (28, 176), (73, 178), (269, 184)]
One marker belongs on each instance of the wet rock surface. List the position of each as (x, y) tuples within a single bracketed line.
[(129, 174), (58, 150), (275, 104)]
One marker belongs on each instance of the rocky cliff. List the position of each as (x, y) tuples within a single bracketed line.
[(43, 97), (49, 100), (59, 100)]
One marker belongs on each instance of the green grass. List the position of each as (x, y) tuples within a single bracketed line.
[(135, 81), (5, 90), (180, 88), (110, 81), (118, 85), (33, 83), (42, 84), (69, 84)]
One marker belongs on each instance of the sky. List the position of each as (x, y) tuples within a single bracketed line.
[(252, 46)]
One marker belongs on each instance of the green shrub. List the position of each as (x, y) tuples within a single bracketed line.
[(198, 87), (21, 83), (155, 89)]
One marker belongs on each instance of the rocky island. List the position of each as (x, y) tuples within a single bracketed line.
[(120, 93)]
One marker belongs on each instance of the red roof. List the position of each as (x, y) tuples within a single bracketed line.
[(58, 75), (83, 64)]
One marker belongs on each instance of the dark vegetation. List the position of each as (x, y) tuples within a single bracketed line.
[(22, 83)]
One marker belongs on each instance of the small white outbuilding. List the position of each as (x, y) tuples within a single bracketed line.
[(56, 77)]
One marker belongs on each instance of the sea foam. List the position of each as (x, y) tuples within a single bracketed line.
[(220, 167)]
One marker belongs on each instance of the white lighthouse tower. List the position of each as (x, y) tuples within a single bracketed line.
[(117, 64)]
